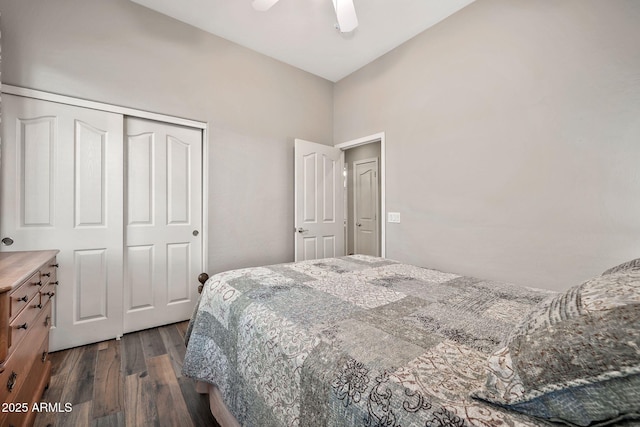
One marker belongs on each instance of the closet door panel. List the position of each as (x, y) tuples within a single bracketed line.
[(91, 285), (62, 187), (90, 175), (140, 182), (178, 174), (164, 198), (178, 272), (140, 272), (36, 141)]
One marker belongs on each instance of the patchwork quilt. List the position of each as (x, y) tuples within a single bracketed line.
[(354, 341)]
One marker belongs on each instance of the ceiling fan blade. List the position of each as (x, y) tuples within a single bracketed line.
[(263, 5), (346, 14)]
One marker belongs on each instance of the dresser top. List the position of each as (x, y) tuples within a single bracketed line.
[(15, 267)]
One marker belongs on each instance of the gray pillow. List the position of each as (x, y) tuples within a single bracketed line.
[(576, 358), (629, 265)]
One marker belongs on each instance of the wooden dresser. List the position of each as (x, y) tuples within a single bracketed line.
[(27, 284)]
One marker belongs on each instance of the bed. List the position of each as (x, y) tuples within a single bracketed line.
[(365, 341)]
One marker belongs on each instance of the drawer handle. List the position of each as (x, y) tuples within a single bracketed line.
[(24, 298), (46, 274), (44, 356), (12, 381), (23, 326), (55, 265), (50, 294), (55, 283), (38, 283), (39, 305)]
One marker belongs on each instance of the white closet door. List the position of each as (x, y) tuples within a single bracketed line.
[(163, 250), (62, 184)]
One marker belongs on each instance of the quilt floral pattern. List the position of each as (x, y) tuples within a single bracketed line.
[(354, 341)]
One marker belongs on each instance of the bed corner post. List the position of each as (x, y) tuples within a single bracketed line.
[(202, 278)]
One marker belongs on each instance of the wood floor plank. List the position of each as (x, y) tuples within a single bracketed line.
[(78, 417), (56, 386), (172, 409), (109, 385), (197, 404), (45, 419), (133, 357), (145, 398), (174, 344), (112, 420), (52, 394), (140, 405), (152, 344), (63, 361), (182, 328), (79, 385)]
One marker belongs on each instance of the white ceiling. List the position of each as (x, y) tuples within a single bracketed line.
[(302, 33)]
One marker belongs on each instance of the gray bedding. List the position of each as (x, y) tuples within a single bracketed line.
[(354, 341)]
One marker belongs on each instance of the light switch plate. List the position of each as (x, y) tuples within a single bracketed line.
[(393, 217)]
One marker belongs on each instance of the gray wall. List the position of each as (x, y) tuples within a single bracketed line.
[(118, 52), (361, 152), (512, 139)]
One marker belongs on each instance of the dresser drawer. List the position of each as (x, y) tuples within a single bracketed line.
[(47, 292), (48, 273), (22, 295), (29, 318), (27, 284), (17, 368), (40, 372)]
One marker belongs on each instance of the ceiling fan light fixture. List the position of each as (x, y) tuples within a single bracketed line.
[(263, 5), (346, 14)]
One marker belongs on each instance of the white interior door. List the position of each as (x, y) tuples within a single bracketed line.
[(365, 193), (163, 252), (319, 200), (62, 169)]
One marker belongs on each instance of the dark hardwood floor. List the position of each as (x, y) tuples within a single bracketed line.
[(136, 381)]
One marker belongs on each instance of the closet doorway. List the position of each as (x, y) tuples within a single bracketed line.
[(364, 195), (119, 193)]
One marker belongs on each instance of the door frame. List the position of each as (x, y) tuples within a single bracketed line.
[(355, 202), (126, 111), (376, 137)]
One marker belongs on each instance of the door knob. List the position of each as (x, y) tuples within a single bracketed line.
[(8, 241), (301, 230), (195, 232), (358, 224)]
